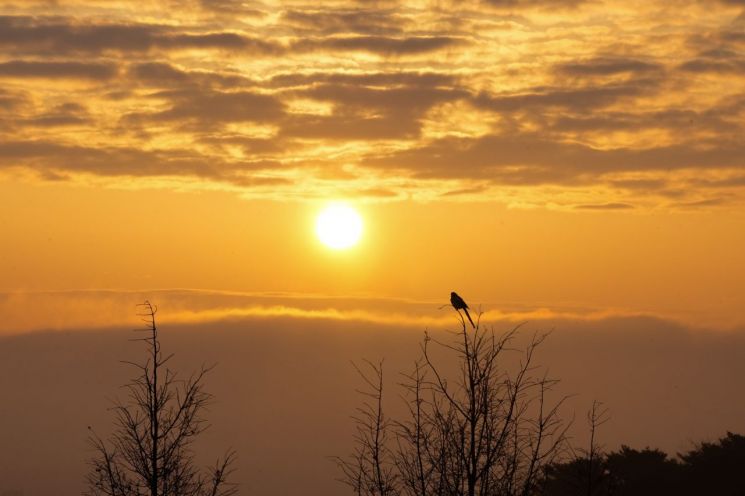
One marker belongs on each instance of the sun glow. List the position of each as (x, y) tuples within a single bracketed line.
[(339, 226)]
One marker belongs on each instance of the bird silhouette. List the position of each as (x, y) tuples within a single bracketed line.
[(459, 304)]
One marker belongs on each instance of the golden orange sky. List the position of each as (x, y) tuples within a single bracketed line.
[(544, 158)]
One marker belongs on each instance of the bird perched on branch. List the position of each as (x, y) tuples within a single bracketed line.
[(459, 304)]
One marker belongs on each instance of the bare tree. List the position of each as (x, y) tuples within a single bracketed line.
[(370, 470), (481, 430), (150, 452), (596, 416), (587, 471)]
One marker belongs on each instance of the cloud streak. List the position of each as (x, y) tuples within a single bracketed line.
[(71, 310)]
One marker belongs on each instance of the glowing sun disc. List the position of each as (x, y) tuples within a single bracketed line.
[(339, 226)]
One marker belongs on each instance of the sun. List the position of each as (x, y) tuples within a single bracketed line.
[(339, 226)]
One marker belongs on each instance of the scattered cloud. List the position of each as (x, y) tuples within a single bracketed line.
[(533, 159), (210, 106), (382, 45), (475, 190), (367, 79), (605, 206), (527, 93), (534, 3), (368, 113), (48, 70), (39, 35), (711, 202), (66, 114), (358, 21), (704, 65), (104, 161), (570, 98), (607, 66), (10, 100)]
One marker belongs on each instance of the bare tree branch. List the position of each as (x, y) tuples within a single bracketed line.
[(149, 453), (482, 430)]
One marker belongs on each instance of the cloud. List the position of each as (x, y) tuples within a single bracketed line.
[(582, 98), (205, 106), (375, 193), (719, 51), (475, 190), (67, 114), (164, 75), (376, 79), (607, 66), (718, 58), (382, 45), (532, 159), (640, 184), (396, 100), (716, 118), (231, 7), (106, 161), (730, 181), (702, 65), (711, 202), (56, 120), (367, 113), (222, 40), (70, 310), (11, 100), (522, 97), (350, 127), (160, 73), (358, 21), (249, 144), (516, 4), (55, 70), (51, 160), (25, 34), (605, 206)]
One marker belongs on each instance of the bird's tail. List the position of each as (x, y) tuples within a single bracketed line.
[(469, 318)]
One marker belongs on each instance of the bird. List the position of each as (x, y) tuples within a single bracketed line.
[(459, 304)]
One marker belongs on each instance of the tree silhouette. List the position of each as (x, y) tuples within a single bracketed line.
[(715, 468), (371, 469), (150, 452), (646, 472), (481, 430), (596, 472), (627, 472)]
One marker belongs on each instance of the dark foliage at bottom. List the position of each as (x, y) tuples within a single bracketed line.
[(709, 468)]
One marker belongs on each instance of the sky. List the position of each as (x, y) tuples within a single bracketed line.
[(549, 155), (575, 164)]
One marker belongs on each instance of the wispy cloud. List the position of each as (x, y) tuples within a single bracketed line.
[(84, 309)]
